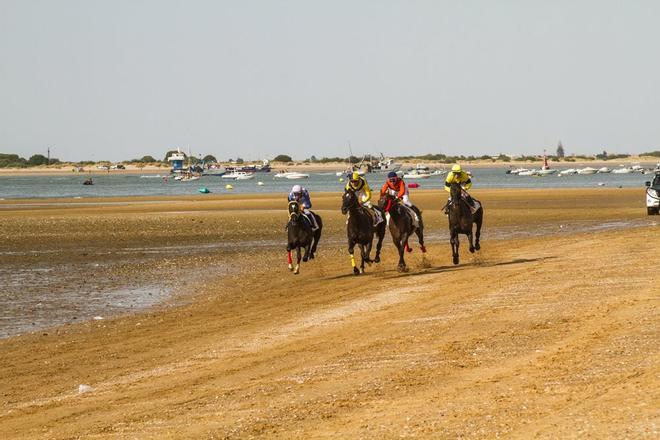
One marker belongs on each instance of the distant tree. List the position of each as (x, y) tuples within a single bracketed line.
[(353, 159), (37, 159), (282, 158), (239, 160), (148, 159), (651, 153), (602, 156), (560, 150), (504, 158), (313, 158), (210, 158)]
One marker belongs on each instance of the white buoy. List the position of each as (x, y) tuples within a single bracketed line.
[(228, 186), (260, 183), (341, 179)]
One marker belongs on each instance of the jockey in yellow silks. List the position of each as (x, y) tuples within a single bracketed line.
[(457, 175), (359, 185)]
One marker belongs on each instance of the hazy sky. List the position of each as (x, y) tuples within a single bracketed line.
[(122, 79)]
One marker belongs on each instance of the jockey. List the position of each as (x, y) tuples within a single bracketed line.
[(301, 195), (363, 192), (462, 178), (396, 187)]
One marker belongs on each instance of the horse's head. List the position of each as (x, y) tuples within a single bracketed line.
[(386, 201), (348, 201), (294, 210), (455, 193)]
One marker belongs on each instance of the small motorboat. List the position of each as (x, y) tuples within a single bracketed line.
[(295, 176), (88, 182), (587, 170)]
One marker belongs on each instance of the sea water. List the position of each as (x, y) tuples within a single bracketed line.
[(115, 185)]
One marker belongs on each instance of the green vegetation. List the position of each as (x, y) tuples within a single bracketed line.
[(282, 158), (651, 153)]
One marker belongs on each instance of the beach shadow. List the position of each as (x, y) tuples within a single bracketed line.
[(392, 274)]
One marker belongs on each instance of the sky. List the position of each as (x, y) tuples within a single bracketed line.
[(117, 80)]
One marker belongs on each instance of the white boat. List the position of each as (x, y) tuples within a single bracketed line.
[(526, 173), (281, 174), (622, 170), (517, 170), (587, 170), (604, 170), (238, 175), (241, 175), (568, 172), (188, 178), (294, 176), (545, 172), (416, 174)]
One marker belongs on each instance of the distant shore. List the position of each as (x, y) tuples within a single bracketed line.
[(330, 166)]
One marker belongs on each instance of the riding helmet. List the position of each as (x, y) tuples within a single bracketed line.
[(391, 174), (355, 176), (296, 189), (456, 169)]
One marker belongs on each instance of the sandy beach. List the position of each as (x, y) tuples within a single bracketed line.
[(550, 331)]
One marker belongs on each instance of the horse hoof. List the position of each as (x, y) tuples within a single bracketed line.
[(377, 260), (361, 270), (455, 260), (290, 266), (296, 271), (477, 246), (311, 256), (356, 271), (423, 248), (402, 268), (305, 259), (472, 250)]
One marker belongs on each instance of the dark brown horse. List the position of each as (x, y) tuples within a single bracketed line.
[(461, 220), (402, 226), (360, 230), (300, 235)]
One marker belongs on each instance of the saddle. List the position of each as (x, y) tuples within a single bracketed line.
[(376, 216)]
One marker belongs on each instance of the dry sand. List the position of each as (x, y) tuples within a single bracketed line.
[(550, 331)]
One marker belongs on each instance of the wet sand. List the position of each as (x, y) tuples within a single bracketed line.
[(550, 331)]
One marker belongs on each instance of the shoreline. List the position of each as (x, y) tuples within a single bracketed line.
[(336, 166)]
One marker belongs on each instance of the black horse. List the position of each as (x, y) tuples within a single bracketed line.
[(402, 226), (360, 230), (301, 235), (461, 219)]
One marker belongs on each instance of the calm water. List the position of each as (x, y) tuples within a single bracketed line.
[(112, 185)]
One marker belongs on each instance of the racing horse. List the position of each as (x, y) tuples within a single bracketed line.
[(301, 235), (461, 219), (360, 230), (402, 226)]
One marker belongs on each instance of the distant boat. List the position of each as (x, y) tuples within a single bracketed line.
[(587, 170), (238, 175), (568, 172), (88, 182), (622, 170), (294, 176), (416, 174), (604, 170)]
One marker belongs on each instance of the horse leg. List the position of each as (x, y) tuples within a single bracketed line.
[(307, 250), (367, 252), (288, 258), (379, 244), (471, 241), (296, 270), (420, 236), (403, 243), (364, 257), (454, 246), (478, 221), (317, 236), (351, 247)]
